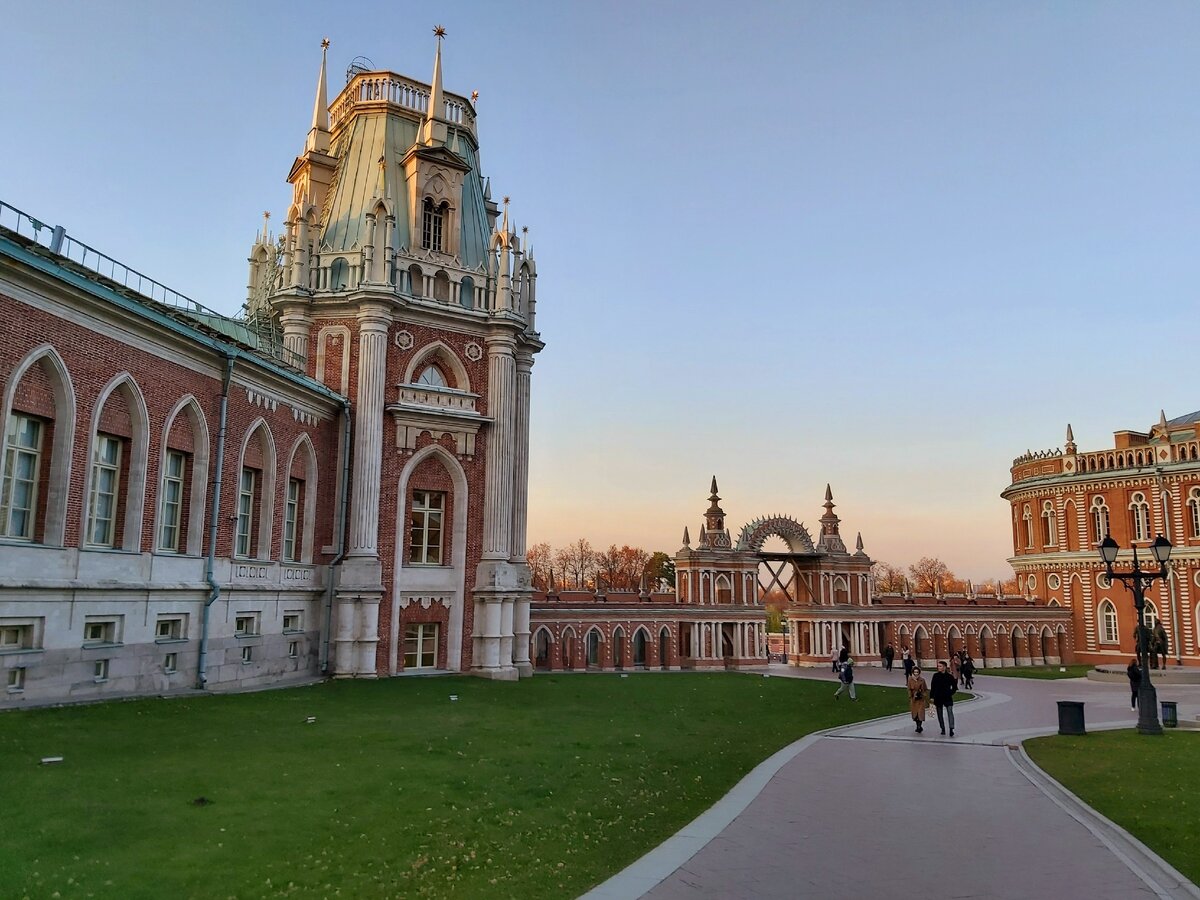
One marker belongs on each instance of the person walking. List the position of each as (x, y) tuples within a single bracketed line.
[(956, 667), (889, 654), (918, 697), (907, 659), (846, 677), (833, 661), (843, 654), (941, 691), (1161, 645), (1134, 673), (968, 673)]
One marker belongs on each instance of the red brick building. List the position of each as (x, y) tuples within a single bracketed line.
[(1064, 501), (334, 482)]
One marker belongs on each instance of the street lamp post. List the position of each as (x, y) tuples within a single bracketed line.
[(1136, 581)]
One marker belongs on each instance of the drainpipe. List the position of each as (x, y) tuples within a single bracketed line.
[(343, 507), (214, 589)]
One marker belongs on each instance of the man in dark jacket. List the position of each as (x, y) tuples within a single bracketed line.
[(941, 691), (889, 653)]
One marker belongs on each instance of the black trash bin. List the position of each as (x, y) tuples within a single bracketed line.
[(1070, 717), (1170, 714)]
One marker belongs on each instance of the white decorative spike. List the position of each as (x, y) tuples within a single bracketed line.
[(318, 134)]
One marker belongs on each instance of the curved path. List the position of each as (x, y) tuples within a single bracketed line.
[(872, 809)]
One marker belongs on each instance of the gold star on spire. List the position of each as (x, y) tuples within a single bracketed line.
[(325, 43), (439, 31), (506, 199), (474, 96)]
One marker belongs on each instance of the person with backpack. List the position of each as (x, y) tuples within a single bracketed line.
[(846, 677)]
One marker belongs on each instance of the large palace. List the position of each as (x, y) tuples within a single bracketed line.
[(333, 482)]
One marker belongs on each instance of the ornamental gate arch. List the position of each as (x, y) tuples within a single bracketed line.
[(782, 570)]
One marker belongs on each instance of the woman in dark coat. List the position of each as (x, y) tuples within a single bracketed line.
[(1134, 671), (918, 697)]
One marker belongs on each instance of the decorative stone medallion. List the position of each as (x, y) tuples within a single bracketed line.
[(404, 340), (474, 352)]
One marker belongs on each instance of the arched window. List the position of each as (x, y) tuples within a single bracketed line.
[(339, 274), (639, 649), (1150, 614), (1049, 526), (432, 221), (441, 286), (618, 649), (541, 649), (117, 468), (1139, 510), (1107, 616), (1099, 519), (1194, 511), (255, 495), (1027, 517), (23, 460), (664, 648), (431, 376), (724, 589), (416, 281), (466, 292)]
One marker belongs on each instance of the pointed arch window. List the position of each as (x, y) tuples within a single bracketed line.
[(1150, 614), (619, 649), (1139, 510), (1049, 525), (593, 649), (1108, 622), (22, 469), (432, 222), (1027, 517), (1194, 511), (174, 477), (1099, 519), (431, 376), (106, 489)]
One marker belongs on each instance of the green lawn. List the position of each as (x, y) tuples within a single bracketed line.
[(535, 789), (1047, 672), (1145, 784)]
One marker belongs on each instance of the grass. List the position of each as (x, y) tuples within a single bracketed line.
[(1046, 672), (1145, 784), (536, 789)]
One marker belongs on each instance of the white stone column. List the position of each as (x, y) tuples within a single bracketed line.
[(506, 631), (491, 633), (520, 459), (343, 642), (297, 326), (498, 489), (520, 638), (368, 636), (373, 321)]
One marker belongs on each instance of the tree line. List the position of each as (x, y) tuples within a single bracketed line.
[(580, 567), (929, 575)]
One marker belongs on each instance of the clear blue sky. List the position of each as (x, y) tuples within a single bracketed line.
[(888, 246)]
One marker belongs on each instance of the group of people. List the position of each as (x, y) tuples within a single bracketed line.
[(961, 667)]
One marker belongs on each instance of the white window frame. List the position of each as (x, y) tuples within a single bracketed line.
[(246, 624), (432, 226), (1106, 617), (291, 514), (1049, 524), (100, 670), (1027, 517), (425, 635), (20, 458), (296, 625), (106, 464), (1140, 512), (422, 513), (431, 376), (243, 541), (1194, 511), (171, 663), (170, 527), (16, 679), (102, 631), (1150, 614), (1100, 519), (247, 654), (293, 649), (176, 628)]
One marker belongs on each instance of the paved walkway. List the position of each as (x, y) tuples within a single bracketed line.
[(873, 810)]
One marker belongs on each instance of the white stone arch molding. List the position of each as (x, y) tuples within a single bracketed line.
[(266, 510), (304, 445), (449, 579), (445, 352), (197, 499), (139, 446), (58, 491)]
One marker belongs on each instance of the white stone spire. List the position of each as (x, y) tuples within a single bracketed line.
[(318, 135), (434, 132)]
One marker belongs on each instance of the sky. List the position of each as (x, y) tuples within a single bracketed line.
[(885, 246)]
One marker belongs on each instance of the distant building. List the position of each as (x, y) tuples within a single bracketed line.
[(1064, 502), (333, 483)]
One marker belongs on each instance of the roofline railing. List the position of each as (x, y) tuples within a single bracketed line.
[(56, 240)]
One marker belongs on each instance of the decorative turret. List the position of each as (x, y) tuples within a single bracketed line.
[(687, 539), (264, 269), (318, 134), (831, 539), (1070, 445), (858, 546), (713, 534), (313, 170), (433, 132)]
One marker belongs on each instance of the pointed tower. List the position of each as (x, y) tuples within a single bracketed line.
[(714, 535), (313, 169), (1070, 447), (433, 131), (831, 539)]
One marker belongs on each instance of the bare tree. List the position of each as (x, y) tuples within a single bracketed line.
[(540, 559), (888, 578), (578, 562)]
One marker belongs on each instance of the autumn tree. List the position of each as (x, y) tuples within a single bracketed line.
[(889, 579), (540, 559), (577, 562), (660, 572), (929, 574)]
